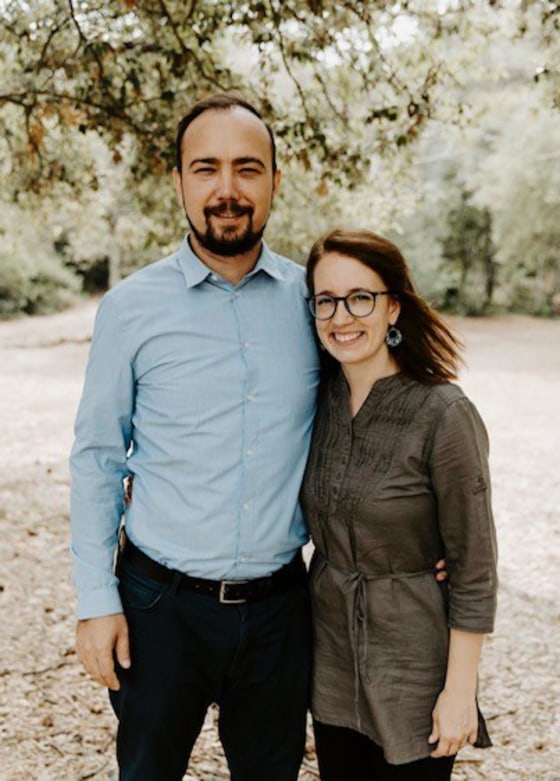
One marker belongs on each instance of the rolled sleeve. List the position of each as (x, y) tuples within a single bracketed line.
[(461, 482), (98, 464)]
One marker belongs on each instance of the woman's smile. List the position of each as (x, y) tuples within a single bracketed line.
[(346, 337)]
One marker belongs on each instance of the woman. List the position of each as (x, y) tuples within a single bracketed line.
[(397, 477)]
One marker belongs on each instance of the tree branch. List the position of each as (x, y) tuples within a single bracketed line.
[(83, 38), (184, 48)]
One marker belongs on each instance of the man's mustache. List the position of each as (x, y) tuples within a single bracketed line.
[(227, 207)]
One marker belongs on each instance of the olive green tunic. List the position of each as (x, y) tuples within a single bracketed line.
[(387, 494)]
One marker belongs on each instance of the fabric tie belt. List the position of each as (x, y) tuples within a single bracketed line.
[(228, 592), (356, 582)]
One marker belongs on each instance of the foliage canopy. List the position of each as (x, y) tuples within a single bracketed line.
[(92, 91), (340, 81)]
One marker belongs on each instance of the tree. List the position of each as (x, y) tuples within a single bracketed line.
[(469, 249), (544, 17), (341, 81), (519, 180), (505, 159), (92, 92)]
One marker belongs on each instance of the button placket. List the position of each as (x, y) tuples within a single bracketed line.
[(249, 432), (340, 467)]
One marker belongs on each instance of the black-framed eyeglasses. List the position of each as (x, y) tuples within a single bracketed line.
[(360, 303)]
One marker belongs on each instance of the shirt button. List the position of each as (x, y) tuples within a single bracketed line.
[(247, 505), (245, 345), (249, 452), (236, 295), (251, 397)]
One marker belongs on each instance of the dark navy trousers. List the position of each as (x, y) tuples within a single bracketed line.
[(189, 651)]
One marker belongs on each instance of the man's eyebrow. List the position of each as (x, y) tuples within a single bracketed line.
[(249, 160), (237, 161), (202, 160)]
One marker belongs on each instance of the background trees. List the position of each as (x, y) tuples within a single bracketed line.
[(386, 113)]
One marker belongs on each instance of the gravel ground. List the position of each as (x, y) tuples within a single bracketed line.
[(55, 725)]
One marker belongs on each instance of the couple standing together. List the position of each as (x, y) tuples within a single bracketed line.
[(202, 385)]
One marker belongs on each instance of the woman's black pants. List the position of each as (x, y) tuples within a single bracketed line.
[(345, 755)]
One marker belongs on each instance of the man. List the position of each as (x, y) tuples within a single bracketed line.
[(201, 384)]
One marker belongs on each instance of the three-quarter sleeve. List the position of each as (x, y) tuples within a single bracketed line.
[(461, 482)]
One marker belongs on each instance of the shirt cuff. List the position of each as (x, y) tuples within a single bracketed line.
[(99, 602)]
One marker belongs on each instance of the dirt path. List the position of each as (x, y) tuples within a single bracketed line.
[(56, 726)]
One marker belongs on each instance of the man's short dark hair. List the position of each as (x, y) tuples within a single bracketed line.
[(220, 102)]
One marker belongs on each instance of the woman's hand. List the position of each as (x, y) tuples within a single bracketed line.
[(454, 722), (455, 717), (441, 572)]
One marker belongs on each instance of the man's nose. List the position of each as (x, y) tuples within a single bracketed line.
[(227, 185)]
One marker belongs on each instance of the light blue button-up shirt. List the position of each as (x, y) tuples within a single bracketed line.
[(205, 392)]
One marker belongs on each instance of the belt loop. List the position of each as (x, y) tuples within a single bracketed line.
[(175, 583)]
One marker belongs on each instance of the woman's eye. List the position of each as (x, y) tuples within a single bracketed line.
[(360, 297)]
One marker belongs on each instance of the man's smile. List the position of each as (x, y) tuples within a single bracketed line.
[(228, 217)]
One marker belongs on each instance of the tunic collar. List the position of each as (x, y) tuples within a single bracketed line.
[(383, 389)]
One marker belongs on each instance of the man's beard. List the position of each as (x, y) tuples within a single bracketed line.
[(231, 242)]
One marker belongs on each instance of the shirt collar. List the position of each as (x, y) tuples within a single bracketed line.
[(196, 271)]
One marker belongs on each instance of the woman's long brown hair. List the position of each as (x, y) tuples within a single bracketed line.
[(429, 351)]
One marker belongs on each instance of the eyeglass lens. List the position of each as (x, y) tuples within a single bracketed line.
[(359, 304)]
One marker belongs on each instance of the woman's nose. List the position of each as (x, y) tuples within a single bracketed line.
[(341, 314)]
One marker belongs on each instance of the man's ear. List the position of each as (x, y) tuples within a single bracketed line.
[(276, 181), (178, 184)]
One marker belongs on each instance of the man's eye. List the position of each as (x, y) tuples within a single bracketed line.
[(204, 170), (249, 170)]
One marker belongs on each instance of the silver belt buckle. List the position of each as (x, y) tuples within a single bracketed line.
[(222, 595)]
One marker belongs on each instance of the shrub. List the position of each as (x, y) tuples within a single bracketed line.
[(36, 285)]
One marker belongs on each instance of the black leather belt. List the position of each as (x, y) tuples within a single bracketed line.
[(228, 592)]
